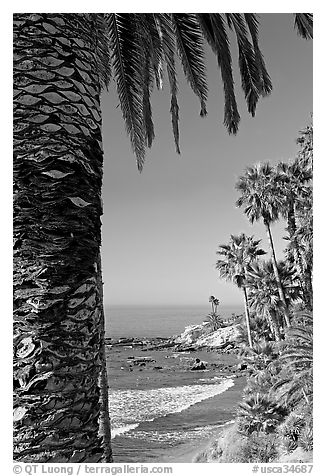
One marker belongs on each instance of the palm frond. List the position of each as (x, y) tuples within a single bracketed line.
[(265, 80), (156, 45), (147, 108), (190, 47), (213, 27), (303, 22), (102, 48), (126, 59), (142, 23), (168, 41), (250, 75)]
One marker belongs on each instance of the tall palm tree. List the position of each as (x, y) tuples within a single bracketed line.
[(293, 180), (295, 188), (263, 292), (214, 302), (236, 257), (304, 210), (62, 62), (261, 198), (304, 237)]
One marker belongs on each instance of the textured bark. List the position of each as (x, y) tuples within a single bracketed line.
[(247, 315), (308, 289), (294, 254), (274, 324), (105, 425), (292, 227), (304, 271), (57, 206), (277, 275)]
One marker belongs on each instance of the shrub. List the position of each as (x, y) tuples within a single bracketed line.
[(297, 430), (306, 438), (258, 413), (234, 447), (215, 321), (260, 448)]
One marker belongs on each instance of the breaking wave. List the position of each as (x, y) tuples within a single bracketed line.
[(128, 408)]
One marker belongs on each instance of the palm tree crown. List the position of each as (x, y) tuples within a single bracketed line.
[(141, 45), (237, 255), (294, 179), (263, 289), (138, 48), (257, 187)]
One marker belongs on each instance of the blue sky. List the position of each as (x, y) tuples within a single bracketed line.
[(161, 228)]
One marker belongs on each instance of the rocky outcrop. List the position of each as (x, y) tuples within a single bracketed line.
[(192, 333), (200, 335), (221, 337)]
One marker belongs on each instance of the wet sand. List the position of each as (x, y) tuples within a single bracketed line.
[(186, 453), (166, 434)]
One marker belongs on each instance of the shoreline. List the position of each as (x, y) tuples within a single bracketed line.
[(161, 360), (187, 452)]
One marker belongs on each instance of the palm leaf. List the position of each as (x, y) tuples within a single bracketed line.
[(303, 22), (142, 22), (190, 47), (125, 47), (265, 80), (102, 48), (250, 75), (214, 31), (156, 48), (169, 47)]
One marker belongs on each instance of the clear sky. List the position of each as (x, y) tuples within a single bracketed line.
[(161, 228)]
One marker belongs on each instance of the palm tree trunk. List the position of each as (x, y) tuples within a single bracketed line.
[(105, 426), (291, 229), (277, 276), (296, 254), (291, 218), (275, 325), (247, 315), (308, 287), (269, 321), (57, 231)]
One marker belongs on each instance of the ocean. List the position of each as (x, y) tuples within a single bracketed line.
[(159, 321), (162, 404)]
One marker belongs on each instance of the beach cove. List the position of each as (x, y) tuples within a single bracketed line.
[(160, 409)]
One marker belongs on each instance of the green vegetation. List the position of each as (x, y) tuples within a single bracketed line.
[(213, 318), (274, 419)]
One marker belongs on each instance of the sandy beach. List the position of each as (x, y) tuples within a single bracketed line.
[(176, 412), (186, 453)]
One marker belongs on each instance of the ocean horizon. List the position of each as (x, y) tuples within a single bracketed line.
[(158, 320)]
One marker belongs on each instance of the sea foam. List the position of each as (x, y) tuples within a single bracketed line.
[(171, 437), (128, 408), (122, 429)]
